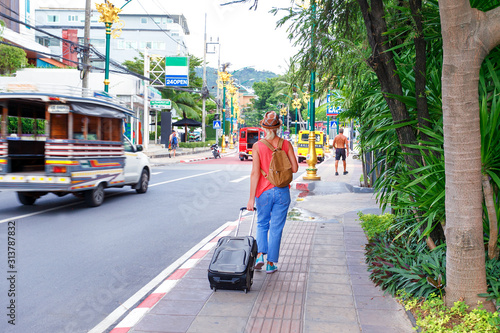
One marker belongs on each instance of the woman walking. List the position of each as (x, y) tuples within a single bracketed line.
[(271, 202)]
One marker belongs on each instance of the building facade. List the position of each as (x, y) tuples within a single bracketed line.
[(163, 35), (14, 13)]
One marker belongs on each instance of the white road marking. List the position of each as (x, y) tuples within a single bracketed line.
[(128, 304), (15, 218), (240, 179), (176, 180), (156, 173)]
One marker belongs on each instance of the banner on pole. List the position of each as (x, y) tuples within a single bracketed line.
[(177, 71), (331, 110)]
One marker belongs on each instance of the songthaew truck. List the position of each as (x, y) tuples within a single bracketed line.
[(60, 142)]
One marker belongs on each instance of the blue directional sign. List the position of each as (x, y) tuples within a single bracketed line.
[(217, 124)]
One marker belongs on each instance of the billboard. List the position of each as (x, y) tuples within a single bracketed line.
[(176, 71)]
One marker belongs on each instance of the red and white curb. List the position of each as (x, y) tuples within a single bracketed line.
[(127, 323), (196, 159), (205, 158)]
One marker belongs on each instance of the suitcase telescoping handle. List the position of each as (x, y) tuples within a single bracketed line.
[(242, 209)]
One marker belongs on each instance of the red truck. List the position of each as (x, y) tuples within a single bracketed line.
[(249, 136)]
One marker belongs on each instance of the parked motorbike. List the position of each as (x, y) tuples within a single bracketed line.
[(215, 150)]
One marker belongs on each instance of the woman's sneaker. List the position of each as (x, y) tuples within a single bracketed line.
[(271, 268), (259, 262)]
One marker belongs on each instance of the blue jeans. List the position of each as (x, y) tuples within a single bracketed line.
[(272, 208)]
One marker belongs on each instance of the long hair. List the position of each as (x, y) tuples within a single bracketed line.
[(270, 133)]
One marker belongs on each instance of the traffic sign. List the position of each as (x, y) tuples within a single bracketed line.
[(217, 124), (161, 103)]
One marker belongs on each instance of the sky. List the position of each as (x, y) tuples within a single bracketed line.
[(248, 38)]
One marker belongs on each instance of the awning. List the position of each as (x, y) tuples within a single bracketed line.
[(96, 110), (187, 122)]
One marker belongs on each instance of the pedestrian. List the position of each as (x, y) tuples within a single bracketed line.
[(271, 202), (341, 145), (173, 141)]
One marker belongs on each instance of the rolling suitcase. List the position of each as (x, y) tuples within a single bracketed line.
[(232, 264)]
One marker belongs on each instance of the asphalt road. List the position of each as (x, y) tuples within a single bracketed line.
[(75, 265)]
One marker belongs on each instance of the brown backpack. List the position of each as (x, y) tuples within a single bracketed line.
[(280, 168)]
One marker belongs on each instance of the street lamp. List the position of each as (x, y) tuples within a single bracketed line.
[(224, 77), (297, 104), (109, 15), (232, 91), (312, 160), (283, 113)]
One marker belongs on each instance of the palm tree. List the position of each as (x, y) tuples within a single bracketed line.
[(185, 103)]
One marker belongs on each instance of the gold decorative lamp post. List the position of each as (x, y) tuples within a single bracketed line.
[(237, 116), (224, 78), (109, 15), (297, 104), (283, 113), (232, 91), (313, 158)]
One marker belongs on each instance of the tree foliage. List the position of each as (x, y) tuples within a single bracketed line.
[(11, 59), (383, 60)]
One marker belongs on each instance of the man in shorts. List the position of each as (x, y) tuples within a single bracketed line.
[(341, 145), (174, 141)]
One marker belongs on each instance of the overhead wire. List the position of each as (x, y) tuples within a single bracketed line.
[(79, 47), (12, 11), (40, 52), (41, 30), (161, 29)]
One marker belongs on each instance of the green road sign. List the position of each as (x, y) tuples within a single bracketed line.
[(161, 103)]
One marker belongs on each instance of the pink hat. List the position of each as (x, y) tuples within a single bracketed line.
[(271, 120)]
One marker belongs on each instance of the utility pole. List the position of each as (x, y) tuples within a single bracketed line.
[(86, 52), (204, 89)]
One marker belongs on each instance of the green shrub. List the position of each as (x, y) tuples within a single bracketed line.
[(11, 59), (493, 280), (399, 260), (432, 315), (196, 144), (405, 264), (375, 224)]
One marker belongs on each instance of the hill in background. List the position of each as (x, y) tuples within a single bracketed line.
[(245, 77)]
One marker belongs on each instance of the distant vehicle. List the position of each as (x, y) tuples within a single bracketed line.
[(249, 136), (215, 150), (61, 142), (303, 145)]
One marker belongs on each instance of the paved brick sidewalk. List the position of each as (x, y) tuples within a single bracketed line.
[(322, 284)]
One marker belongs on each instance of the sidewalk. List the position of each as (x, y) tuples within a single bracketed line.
[(161, 156), (322, 284)]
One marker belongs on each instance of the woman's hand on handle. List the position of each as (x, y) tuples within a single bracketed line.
[(251, 204)]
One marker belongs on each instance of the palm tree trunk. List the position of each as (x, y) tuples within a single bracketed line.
[(467, 38), (420, 67), (383, 64)]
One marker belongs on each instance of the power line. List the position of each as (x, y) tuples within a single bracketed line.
[(41, 30), (79, 47), (166, 33), (39, 52), (8, 8)]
